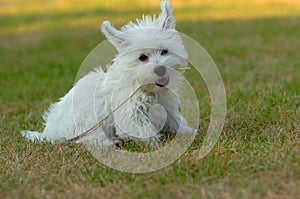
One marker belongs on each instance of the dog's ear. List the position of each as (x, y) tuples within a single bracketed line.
[(167, 16), (113, 35)]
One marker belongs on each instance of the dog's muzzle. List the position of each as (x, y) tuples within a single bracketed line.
[(163, 80)]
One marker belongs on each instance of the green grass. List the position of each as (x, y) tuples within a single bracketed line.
[(256, 47)]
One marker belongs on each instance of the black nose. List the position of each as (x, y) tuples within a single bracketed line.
[(160, 70)]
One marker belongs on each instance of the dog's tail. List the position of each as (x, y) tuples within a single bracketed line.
[(33, 135)]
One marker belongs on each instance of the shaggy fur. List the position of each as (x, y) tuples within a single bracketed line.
[(149, 52)]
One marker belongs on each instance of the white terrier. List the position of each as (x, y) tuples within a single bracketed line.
[(144, 74)]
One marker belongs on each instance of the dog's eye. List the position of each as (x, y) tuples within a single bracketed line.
[(143, 58), (164, 52)]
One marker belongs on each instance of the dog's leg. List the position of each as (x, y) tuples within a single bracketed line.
[(183, 126), (175, 121)]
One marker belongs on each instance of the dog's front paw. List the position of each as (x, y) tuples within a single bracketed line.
[(187, 130)]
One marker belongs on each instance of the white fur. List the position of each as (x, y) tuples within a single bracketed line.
[(97, 94)]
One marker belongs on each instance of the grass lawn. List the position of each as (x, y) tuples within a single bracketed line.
[(256, 46)]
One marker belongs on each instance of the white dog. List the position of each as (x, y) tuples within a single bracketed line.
[(144, 74)]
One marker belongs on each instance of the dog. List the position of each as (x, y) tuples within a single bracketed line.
[(145, 74)]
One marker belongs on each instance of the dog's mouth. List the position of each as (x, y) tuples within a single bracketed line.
[(163, 81)]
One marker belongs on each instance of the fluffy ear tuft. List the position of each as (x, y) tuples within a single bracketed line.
[(113, 35), (167, 16)]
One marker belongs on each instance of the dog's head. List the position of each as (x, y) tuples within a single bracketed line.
[(150, 50)]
